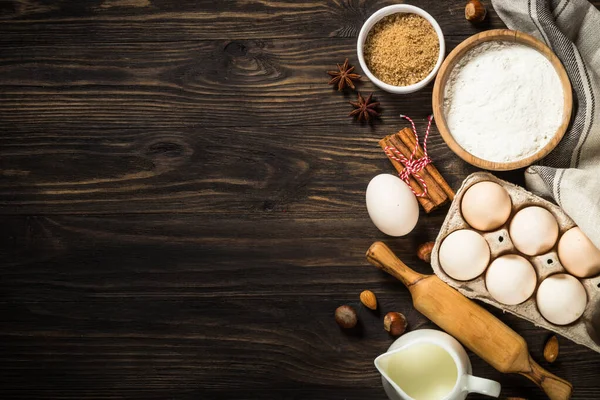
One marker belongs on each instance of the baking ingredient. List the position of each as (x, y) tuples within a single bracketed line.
[(475, 11), (368, 299), (468, 322), (561, 299), (510, 279), (401, 49), (578, 254), (464, 254), (424, 251), (533, 230), (584, 330), (343, 76), (486, 206), (364, 108), (392, 206), (395, 323), (551, 349), (424, 371), (345, 316), (438, 190), (503, 101)]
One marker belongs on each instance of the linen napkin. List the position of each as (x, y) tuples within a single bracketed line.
[(570, 174)]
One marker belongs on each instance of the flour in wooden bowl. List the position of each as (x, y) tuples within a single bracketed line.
[(503, 101)]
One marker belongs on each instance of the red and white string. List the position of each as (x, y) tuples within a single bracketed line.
[(412, 166)]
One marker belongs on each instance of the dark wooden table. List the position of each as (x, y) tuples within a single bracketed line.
[(182, 201)]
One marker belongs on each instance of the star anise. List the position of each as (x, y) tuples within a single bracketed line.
[(364, 108), (343, 77)]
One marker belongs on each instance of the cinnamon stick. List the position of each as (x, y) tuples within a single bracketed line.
[(401, 141), (438, 190), (425, 201), (430, 168)]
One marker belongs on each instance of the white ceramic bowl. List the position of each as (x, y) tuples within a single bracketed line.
[(384, 12)]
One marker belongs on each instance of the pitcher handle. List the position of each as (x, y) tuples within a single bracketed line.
[(474, 384)]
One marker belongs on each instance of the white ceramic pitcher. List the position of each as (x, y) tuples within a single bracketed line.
[(465, 382)]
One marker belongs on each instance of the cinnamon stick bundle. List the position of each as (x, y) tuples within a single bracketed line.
[(438, 190)]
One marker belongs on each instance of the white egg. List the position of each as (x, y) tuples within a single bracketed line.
[(486, 206), (533, 230), (510, 279), (578, 254), (561, 299), (464, 254), (392, 206)]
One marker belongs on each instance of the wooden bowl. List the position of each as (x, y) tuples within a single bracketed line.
[(439, 88)]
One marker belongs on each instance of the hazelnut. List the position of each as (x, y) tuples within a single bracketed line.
[(424, 251), (551, 349), (475, 11), (395, 323), (368, 299), (345, 316)]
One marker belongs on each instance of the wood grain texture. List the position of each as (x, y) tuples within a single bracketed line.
[(165, 20), (475, 328), (159, 307), (182, 203), (225, 170), (270, 82)]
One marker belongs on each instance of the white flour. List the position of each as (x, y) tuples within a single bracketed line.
[(503, 101)]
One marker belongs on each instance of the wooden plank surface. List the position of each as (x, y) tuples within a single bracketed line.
[(182, 203)]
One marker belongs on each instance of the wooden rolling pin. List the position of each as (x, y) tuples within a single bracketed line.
[(477, 329)]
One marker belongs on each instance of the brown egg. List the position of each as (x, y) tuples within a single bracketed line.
[(486, 206), (578, 254)]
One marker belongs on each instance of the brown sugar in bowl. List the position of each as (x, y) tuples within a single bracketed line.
[(372, 21), (439, 88)]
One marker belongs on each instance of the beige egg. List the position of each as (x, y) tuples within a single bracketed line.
[(561, 299), (533, 230), (486, 206), (578, 254), (391, 204), (464, 254), (510, 279)]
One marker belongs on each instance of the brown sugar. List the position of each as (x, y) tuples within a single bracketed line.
[(402, 49)]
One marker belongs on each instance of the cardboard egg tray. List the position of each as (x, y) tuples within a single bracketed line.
[(586, 330)]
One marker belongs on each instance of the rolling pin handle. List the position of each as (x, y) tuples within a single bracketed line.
[(555, 387), (383, 258)]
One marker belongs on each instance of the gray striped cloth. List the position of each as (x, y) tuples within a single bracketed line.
[(571, 173)]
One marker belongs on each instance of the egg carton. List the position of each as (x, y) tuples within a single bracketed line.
[(586, 330)]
